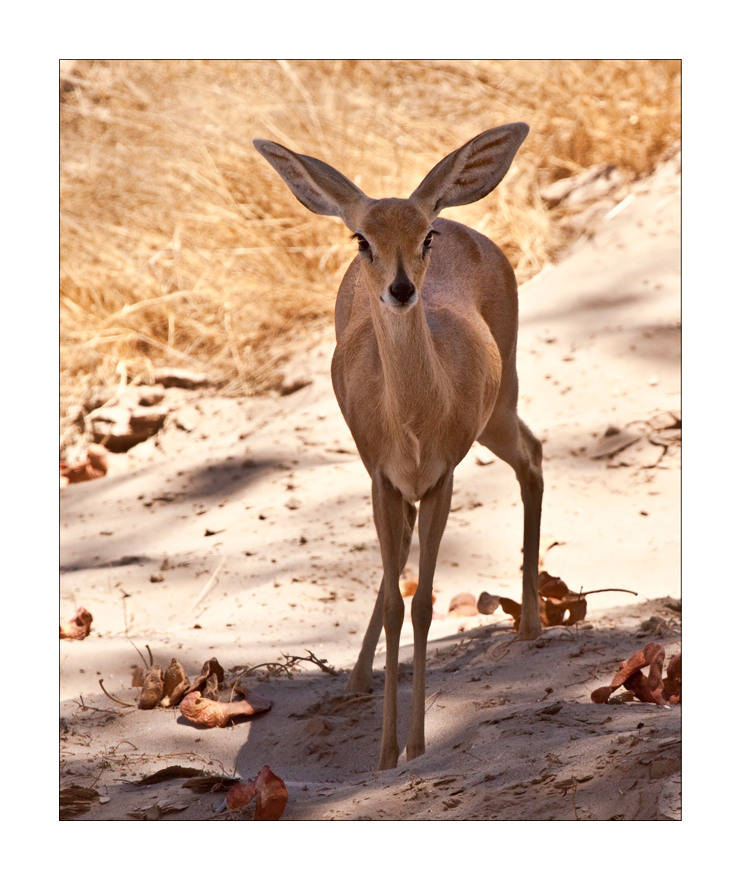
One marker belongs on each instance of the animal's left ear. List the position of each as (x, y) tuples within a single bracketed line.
[(472, 171)]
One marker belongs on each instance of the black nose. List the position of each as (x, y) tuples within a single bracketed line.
[(402, 289)]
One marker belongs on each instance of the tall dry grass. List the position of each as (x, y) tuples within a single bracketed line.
[(180, 245)]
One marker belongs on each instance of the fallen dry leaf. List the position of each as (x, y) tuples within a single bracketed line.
[(562, 606), (77, 627), (409, 586), (271, 792), (240, 795), (487, 603), (463, 605), (211, 713), (176, 684), (210, 784), (152, 689), (211, 669), (647, 688), (175, 771), (558, 605), (75, 800), (94, 466), (272, 795)]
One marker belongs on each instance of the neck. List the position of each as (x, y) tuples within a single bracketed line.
[(415, 383)]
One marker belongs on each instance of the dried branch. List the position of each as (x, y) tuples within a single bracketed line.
[(115, 699)]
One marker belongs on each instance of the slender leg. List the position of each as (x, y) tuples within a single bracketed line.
[(388, 512), (513, 442), (433, 516), (361, 677), (530, 478)]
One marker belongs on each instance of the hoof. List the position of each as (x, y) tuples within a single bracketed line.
[(388, 762), (359, 683), (529, 633)]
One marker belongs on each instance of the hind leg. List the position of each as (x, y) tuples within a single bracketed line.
[(511, 440)]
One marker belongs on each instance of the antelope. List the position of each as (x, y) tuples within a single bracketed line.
[(426, 326)]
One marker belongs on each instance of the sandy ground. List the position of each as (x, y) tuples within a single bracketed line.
[(272, 493)]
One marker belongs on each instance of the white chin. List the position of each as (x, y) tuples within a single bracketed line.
[(394, 303)]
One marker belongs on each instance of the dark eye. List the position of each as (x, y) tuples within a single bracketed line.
[(428, 240), (363, 246)]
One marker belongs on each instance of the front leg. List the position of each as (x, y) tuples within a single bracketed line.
[(433, 516), (362, 675), (388, 512)]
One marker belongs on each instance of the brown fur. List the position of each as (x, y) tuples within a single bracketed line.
[(424, 365)]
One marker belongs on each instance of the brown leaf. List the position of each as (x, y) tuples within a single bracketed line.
[(75, 800), (272, 795), (557, 604), (672, 691), (137, 677), (94, 466), (463, 605), (409, 587), (152, 689), (271, 791), (551, 587), (509, 606), (176, 684), (602, 695), (77, 627), (566, 612), (210, 784), (613, 441), (210, 668), (210, 713), (487, 603), (647, 689), (240, 795), (175, 771)]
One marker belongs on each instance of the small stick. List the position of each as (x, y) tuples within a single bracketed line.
[(608, 590), (208, 586), (82, 705), (322, 664), (142, 655), (115, 699)]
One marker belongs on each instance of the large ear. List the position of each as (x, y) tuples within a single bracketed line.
[(472, 171), (315, 184)]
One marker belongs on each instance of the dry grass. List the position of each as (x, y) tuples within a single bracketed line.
[(180, 245)]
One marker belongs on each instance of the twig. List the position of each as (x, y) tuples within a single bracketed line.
[(208, 586), (128, 742), (272, 666), (291, 661), (82, 705), (115, 699), (123, 599), (608, 590), (312, 658), (142, 655)]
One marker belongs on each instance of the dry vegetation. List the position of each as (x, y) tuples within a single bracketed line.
[(180, 246)]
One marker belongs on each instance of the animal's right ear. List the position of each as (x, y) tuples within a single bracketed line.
[(318, 186)]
